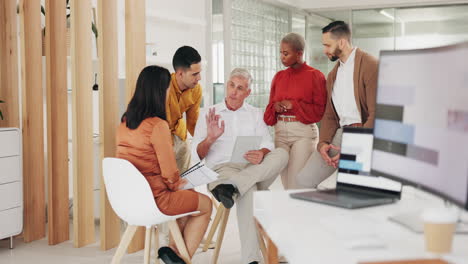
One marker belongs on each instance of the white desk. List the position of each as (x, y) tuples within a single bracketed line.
[(307, 232)]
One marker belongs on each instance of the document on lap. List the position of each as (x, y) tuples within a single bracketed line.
[(198, 175), (244, 144)]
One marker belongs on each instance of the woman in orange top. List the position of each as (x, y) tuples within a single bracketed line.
[(144, 139)]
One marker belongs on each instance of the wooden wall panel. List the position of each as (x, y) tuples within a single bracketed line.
[(108, 110), (135, 60), (9, 90), (135, 43), (82, 106), (33, 121), (57, 121)]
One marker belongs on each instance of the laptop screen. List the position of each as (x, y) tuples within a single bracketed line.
[(355, 161)]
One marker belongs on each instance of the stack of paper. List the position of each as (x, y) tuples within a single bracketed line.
[(198, 175)]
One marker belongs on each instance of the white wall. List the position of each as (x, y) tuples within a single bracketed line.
[(170, 25)]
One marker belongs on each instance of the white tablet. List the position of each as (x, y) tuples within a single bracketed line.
[(244, 144)]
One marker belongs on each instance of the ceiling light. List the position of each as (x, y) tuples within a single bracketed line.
[(385, 13)]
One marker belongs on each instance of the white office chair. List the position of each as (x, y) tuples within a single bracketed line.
[(132, 200)]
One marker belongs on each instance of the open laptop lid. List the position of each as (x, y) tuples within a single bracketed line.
[(355, 165)]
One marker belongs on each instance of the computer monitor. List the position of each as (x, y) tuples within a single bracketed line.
[(421, 126), (355, 164)]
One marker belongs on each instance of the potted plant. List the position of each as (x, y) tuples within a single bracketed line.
[(93, 28), (43, 11)]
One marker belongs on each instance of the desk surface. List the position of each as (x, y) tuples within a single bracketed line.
[(307, 232)]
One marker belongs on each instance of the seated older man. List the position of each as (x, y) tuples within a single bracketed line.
[(214, 141)]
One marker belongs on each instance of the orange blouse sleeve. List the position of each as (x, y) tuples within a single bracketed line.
[(162, 143)]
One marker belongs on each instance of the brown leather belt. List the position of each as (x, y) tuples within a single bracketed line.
[(354, 125), (287, 118)]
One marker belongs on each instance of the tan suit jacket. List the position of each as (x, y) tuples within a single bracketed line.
[(365, 86)]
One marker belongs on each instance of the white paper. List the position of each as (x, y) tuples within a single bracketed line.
[(198, 175), (244, 144)]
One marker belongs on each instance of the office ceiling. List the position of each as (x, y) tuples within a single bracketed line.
[(418, 14)]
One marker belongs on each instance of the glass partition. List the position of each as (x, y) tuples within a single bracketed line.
[(256, 31), (409, 28), (257, 28), (425, 27)]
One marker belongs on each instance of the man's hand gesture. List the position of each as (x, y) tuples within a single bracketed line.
[(331, 161), (215, 130)]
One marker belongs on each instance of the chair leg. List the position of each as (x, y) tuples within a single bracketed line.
[(179, 241), (213, 227), (123, 245), (221, 230), (146, 256), (155, 239), (215, 203), (210, 246)]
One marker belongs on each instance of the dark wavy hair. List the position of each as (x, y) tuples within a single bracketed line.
[(149, 99)]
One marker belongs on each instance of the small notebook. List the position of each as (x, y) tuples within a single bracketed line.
[(198, 175)]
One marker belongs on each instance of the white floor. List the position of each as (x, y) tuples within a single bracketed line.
[(39, 252)]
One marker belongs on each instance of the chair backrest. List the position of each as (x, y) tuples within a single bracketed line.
[(129, 193)]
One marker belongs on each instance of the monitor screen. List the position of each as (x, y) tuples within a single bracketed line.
[(355, 162), (421, 127)]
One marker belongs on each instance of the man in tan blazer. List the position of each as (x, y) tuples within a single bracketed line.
[(351, 87)]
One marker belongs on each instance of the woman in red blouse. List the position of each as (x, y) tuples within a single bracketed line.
[(297, 101)]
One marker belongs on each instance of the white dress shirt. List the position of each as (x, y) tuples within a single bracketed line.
[(245, 121), (343, 92)]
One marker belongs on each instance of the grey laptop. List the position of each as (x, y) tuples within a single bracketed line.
[(355, 187)]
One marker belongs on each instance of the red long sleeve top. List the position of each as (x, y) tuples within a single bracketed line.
[(305, 87)]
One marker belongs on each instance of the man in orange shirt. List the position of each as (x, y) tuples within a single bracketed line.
[(184, 97)]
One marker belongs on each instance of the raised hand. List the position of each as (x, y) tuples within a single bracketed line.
[(214, 128)]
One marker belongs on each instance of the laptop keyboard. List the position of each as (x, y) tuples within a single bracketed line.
[(343, 198), (334, 195)]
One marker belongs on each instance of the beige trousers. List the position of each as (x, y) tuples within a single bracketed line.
[(316, 170), (300, 141), (248, 178), (182, 153)]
